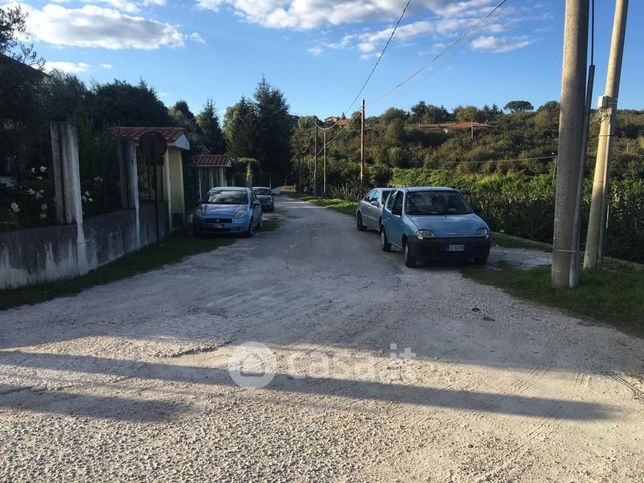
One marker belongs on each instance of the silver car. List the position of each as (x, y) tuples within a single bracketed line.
[(369, 210)]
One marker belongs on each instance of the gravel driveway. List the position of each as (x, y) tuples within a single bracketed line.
[(376, 373)]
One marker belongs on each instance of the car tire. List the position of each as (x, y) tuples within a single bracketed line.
[(359, 224), (409, 255), (385, 246), (480, 260), (249, 230)]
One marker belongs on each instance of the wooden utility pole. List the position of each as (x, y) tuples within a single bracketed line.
[(324, 164), (362, 170), (596, 236), (571, 120), (315, 165)]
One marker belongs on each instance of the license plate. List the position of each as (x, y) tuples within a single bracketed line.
[(456, 248), (217, 225)]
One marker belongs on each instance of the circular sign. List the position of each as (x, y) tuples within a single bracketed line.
[(153, 146)]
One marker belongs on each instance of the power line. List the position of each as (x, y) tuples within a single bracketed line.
[(375, 66), (458, 40)]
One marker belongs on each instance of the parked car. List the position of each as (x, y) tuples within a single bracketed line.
[(265, 197), (228, 210), (433, 223), (369, 210)]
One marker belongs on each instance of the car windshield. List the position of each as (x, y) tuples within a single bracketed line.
[(436, 203), (262, 191), (226, 197)]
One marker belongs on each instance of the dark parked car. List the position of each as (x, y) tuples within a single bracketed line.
[(265, 197), (228, 210), (369, 210)]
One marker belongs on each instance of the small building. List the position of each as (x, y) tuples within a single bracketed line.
[(343, 123), (169, 176), (212, 170)]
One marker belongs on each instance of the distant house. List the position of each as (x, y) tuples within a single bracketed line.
[(170, 176), (343, 123), (469, 125), (458, 126), (212, 170)]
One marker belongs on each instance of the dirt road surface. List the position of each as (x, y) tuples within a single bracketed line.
[(377, 372)]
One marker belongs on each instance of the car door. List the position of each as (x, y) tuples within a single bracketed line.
[(374, 209), (367, 209), (394, 225)]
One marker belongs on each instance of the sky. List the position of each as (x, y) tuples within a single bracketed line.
[(320, 52)]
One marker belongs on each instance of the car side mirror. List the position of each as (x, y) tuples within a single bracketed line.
[(255, 203), (396, 211), (375, 203)]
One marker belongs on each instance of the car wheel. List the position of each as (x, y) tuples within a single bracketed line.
[(409, 255), (249, 230), (384, 243), (480, 260), (359, 224)]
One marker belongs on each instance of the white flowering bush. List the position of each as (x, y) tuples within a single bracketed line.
[(26, 204)]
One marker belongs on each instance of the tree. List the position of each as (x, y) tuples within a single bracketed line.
[(274, 128), (468, 113), (122, 104), (61, 94), (240, 122), (212, 136), (518, 106), (13, 23), (429, 113)]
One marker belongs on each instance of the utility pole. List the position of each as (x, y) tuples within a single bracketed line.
[(324, 164), (362, 173), (596, 236), (571, 120), (315, 166)]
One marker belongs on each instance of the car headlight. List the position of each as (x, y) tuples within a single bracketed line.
[(240, 214), (483, 232), (198, 213), (423, 234)]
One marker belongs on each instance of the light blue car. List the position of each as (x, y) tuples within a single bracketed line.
[(433, 223), (228, 210)]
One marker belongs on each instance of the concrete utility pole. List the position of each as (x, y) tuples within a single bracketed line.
[(324, 164), (362, 147), (315, 165), (573, 99), (596, 236)]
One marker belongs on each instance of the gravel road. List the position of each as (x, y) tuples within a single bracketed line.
[(376, 372)]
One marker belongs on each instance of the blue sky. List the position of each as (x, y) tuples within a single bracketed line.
[(319, 52)]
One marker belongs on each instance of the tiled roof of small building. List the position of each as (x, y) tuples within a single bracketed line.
[(170, 134), (212, 160)]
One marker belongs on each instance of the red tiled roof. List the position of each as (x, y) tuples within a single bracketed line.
[(208, 160), (467, 125), (170, 134), (343, 122)]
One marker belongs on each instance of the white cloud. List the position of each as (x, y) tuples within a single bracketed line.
[(490, 43), (106, 66), (309, 14), (196, 37), (317, 50), (92, 26), (69, 67)]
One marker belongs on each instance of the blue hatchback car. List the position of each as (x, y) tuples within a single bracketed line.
[(433, 223), (228, 210)]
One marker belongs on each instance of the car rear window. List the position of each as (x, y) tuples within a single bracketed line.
[(262, 191)]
